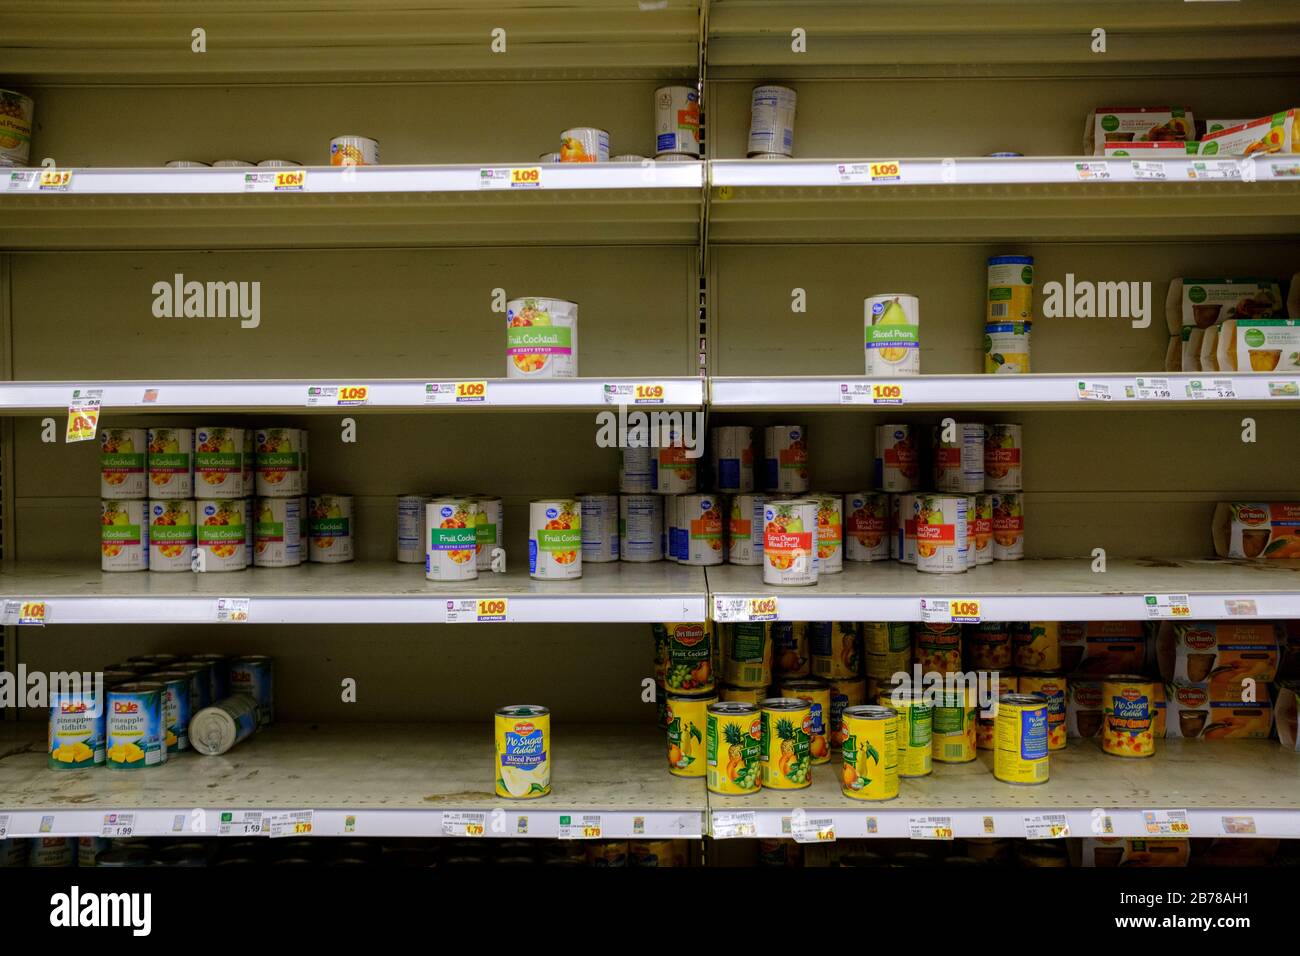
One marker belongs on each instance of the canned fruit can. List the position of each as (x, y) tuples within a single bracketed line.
[(1008, 526), (703, 527), (555, 539), (636, 473), (787, 738), (354, 151), (217, 728), (1036, 645), (677, 120), (279, 462), (489, 529), (870, 752), (1084, 714), (1128, 725), (278, 533), (1052, 688), (329, 529), (674, 528), (687, 725), (785, 458), (902, 519), (941, 534), (177, 702), (988, 645), (640, 528), (745, 527), (134, 729), (548, 157), (688, 658), (734, 744), (979, 524), (172, 535), (76, 732), (771, 120), (936, 648), (452, 539), (790, 656), (218, 672), (1003, 447), (122, 463), (1010, 289), (254, 675), (866, 526), (1006, 348), (123, 535), (845, 692), (887, 649), (1021, 731), (219, 465), (232, 164), (959, 464), (892, 331), (674, 471), (789, 551), (600, 517), (628, 158), (817, 695), (830, 533), (897, 464), (52, 851), (171, 462), (411, 548), (541, 338), (953, 727), (747, 654), (184, 164), (836, 648), (584, 144), (16, 112), (748, 695), (523, 751), (733, 459), (986, 722), (250, 539), (972, 508), (915, 731)]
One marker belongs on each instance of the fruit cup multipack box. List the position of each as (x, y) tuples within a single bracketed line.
[(1258, 345), (1288, 734), (1276, 133), (1195, 305), (1103, 647), (1136, 124), (1222, 712), (1120, 851), (1256, 529), (1220, 653)]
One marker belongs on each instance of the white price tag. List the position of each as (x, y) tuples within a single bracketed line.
[(510, 177), (648, 393), (1153, 390), (4, 825), (729, 824), (950, 610), (807, 829), (929, 828), (337, 396), (241, 823), (1238, 826), (464, 824), (1046, 826), (456, 393), (744, 609), (233, 610), (24, 179), (290, 180), (83, 414), (1166, 823), (581, 826), (1173, 606), (1148, 169), (1240, 607), (871, 393), (1092, 171), (290, 823), (118, 825), (1214, 169), (1213, 388), (1092, 391), (24, 613)]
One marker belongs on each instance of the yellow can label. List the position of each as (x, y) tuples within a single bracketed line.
[(819, 705), (937, 648), (735, 749), (915, 735), (747, 695), (1051, 686), (747, 654), (687, 725), (523, 750), (1037, 646), (1021, 752), (985, 732), (836, 649), (787, 735), (1129, 717), (870, 751), (953, 739)]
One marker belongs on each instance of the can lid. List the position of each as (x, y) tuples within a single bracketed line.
[(136, 687), (1024, 700), (733, 708), (523, 710), (870, 712), (783, 703), (1011, 260), (804, 683)]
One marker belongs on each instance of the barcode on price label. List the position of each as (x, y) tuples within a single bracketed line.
[(1166, 822), (234, 610), (1047, 826), (1153, 389), (464, 824), (729, 824)]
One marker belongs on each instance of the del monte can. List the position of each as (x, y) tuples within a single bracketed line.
[(523, 751)]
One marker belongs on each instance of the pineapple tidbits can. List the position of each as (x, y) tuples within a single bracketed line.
[(219, 463), (771, 121), (870, 751), (171, 463), (76, 732), (122, 463), (599, 527), (787, 735), (555, 539), (123, 535), (329, 529), (830, 533), (1020, 754), (789, 546), (1008, 526), (1002, 457), (16, 112), (817, 694), (541, 338), (955, 713), (896, 463), (640, 528), (451, 539), (941, 536), (254, 675), (892, 327), (1052, 688), (584, 144), (785, 458), (523, 750), (734, 744), (745, 530), (278, 536), (959, 463), (411, 548), (687, 725), (703, 527), (747, 654), (866, 526), (134, 729), (280, 454), (915, 731), (177, 704), (171, 535), (733, 459), (677, 120), (1011, 289), (1128, 709)]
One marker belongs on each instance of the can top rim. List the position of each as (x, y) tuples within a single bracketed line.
[(870, 711), (1126, 679), (733, 707), (136, 687), (523, 710), (783, 703), (1017, 698)]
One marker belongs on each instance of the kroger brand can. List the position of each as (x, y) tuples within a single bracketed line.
[(76, 734), (817, 694), (747, 654), (640, 528), (897, 464), (787, 736), (830, 533), (411, 548), (1128, 708), (636, 470), (541, 338), (451, 539), (16, 112), (278, 533), (903, 510), (172, 536), (329, 529), (1008, 526), (870, 751), (584, 144), (734, 748), (1020, 755), (171, 463), (941, 533), (218, 672), (785, 458), (280, 453), (523, 751), (555, 539), (733, 459), (219, 463), (745, 529), (892, 332), (122, 463), (915, 731), (703, 527), (354, 151), (687, 726), (489, 529), (1002, 457), (1010, 289), (134, 729), (1052, 688), (123, 535), (1006, 348), (959, 463), (674, 472), (771, 120), (677, 120), (789, 542), (971, 508), (599, 527), (250, 539), (254, 675), (979, 524), (217, 728), (866, 526), (177, 703)]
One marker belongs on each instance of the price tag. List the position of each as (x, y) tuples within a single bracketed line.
[(510, 177), (118, 825), (744, 609), (4, 825), (929, 828), (455, 393), (1284, 389), (1213, 388), (24, 613), (806, 829), (584, 826), (233, 610), (290, 823), (477, 610), (1092, 171), (1214, 169), (1174, 606), (56, 180), (464, 824), (337, 395), (24, 179), (1166, 822), (83, 414), (1046, 826), (1240, 607), (729, 824), (1153, 389), (276, 181), (647, 394), (1148, 169), (950, 610), (241, 823), (1092, 391), (1238, 826)]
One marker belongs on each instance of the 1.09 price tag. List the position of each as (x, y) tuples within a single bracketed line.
[(456, 393)]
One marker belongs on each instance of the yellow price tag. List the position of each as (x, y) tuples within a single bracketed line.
[(353, 394), (525, 176), (471, 391), (648, 394), (762, 609), (888, 393), (83, 421), (965, 611), (301, 828), (591, 833), (287, 180), (492, 609), (32, 612), (56, 179), (889, 170)]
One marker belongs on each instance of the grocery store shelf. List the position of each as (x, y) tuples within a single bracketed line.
[(379, 592), (1211, 780), (1044, 589), (389, 780), (983, 199), (380, 394), (304, 41), (1002, 391), (120, 208)]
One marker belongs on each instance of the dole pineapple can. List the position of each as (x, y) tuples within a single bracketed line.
[(171, 463), (687, 725), (866, 526), (122, 463), (172, 536), (1128, 724), (870, 753), (734, 747), (555, 539), (817, 694), (451, 540), (915, 731), (787, 736), (76, 729), (134, 729), (1021, 754), (523, 751)]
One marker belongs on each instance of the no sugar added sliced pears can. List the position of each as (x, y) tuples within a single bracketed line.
[(523, 751)]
